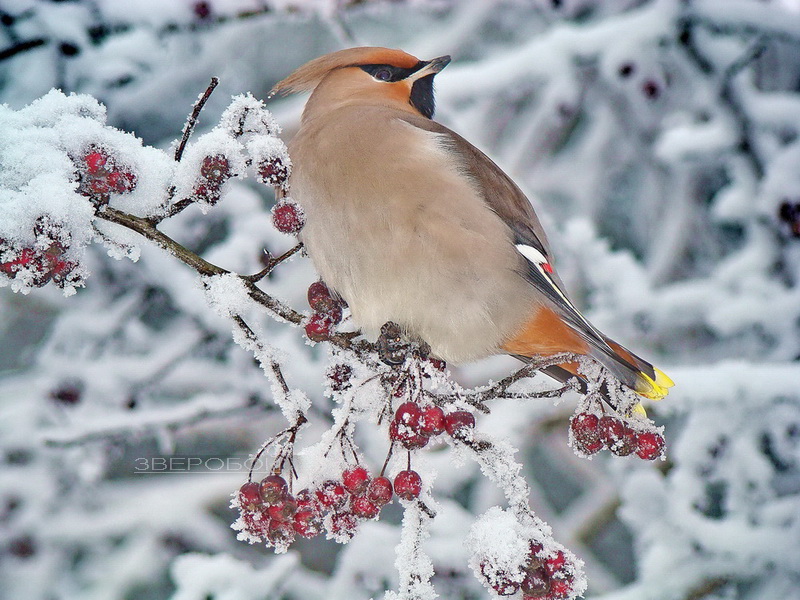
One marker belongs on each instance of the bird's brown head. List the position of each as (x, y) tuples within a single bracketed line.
[(367, 75)]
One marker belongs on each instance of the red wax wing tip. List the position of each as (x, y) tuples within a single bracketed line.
[(547, 267)]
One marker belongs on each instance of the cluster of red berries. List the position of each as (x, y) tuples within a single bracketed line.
[(592, 433), (413, 426), (100, 176), (45, 260), (544, 576), (327, 312), (269, 512), (214, 171), (288, 217)]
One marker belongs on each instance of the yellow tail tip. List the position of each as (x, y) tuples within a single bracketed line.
[(655, 389)]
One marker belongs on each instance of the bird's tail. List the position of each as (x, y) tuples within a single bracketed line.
[(631, 370)]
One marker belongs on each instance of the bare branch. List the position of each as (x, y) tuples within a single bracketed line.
[(274, 262), (192, 122)]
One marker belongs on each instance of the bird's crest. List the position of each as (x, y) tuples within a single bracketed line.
[(306, 78)]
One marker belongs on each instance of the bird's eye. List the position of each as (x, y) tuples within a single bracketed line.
[(383, 75)]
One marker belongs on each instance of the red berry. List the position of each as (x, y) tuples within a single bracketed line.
[(586, 433), (408, 414), (499, 582), (343, 525), (438, 364), (215, 169), (283, 510), (611, 429), (560, 588), (273, 489), (431, 421), (555, 563), (273, 171), (626, 445), (256, 523), (536, 583), (651, 89), (208, 193), (307, 523), (287, 217), (250, 496), (649, 445), (331, 494), (305, 500), (407, 436), (319, 327), (380, 490), (459, 423), (355, 480), (280, 532), (408, 484), (95, 161), (364, 507), (202, 10), (339, 377), (121, 181), (321, 300)]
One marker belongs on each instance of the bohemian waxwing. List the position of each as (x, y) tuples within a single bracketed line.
[(408, 222)]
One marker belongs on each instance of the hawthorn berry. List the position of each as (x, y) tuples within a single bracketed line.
[(307, 523), (610, 429), (339, 376), (280, 532), (343, 525), (499, 582), (250, 496), (287, 217), (202, 10), (407, 436), (319, 327), (408, 414), (331, 494), (554, 564), (355, 480), (321, 300), (283, 510), (560, 588), (273, 171), (216, 169), (651, 89), (363, 507), (586, 433), (431, 421), (408, 484), (273, 489), (380, 490), (121, 181), (536, 583), (649, 445), (95, 161), (458, 423)]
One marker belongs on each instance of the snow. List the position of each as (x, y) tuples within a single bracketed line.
[(665, 225)]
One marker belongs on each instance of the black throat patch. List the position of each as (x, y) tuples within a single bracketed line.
[(422, 96)]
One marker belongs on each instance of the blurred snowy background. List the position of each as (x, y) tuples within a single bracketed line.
[(659, 142)]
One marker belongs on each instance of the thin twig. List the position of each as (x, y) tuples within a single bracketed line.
[(190, 124), (274, 262), (21, 47)]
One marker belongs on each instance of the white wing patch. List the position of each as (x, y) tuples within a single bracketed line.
[(538, 260)]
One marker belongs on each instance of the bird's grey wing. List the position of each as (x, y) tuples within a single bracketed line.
[(505, 198)]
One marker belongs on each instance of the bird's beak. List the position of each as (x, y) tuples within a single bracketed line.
[(431, 67)]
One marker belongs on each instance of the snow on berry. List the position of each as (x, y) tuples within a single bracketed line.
[(319, 327), (408, 484), (288, 216), (247, 116), (355, 480), (380, 490), (459, 424), (271, 160)]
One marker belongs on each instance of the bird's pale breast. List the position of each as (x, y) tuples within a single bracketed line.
[(396, 227)]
